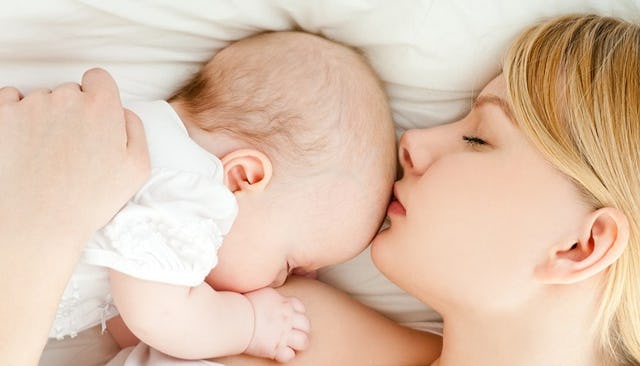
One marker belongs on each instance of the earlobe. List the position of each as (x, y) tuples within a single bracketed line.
[(602, 241), (246, 170)]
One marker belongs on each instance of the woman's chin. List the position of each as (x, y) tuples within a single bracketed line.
[(388, 255), (379, 250)]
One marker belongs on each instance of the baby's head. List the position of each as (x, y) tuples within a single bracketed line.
[(305, 134)]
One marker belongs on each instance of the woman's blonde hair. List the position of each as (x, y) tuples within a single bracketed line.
[(574, 84)]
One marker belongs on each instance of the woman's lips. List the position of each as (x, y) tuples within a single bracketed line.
[(396, 208)]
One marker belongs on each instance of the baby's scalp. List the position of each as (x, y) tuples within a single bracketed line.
[(293, 94), (318, 110)]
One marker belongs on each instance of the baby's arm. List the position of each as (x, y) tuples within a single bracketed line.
[(199, 322)]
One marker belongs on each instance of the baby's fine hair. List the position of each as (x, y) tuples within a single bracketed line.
[(303, 100), (574, 83)]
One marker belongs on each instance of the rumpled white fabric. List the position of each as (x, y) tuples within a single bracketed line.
[(169, 232), (143, 355)]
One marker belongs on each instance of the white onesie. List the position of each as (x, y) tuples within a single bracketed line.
[(170, 231)]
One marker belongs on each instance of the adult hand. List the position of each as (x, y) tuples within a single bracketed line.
[(69, 159)]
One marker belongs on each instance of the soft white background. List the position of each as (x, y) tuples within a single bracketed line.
[(433, 56)]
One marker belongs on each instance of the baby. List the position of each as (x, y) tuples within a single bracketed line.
[(282, 149)]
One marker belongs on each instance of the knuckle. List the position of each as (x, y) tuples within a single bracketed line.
[(35, 94), (96, 97), (104, 98), (64, 95), (41, 91), (9, 91), (68, 87)]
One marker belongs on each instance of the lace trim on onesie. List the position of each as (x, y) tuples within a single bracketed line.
[(169, 232)]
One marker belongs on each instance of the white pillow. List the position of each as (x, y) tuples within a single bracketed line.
[(432, 55)]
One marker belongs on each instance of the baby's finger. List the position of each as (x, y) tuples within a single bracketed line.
[(9, 94), (297, 305), (284, 354), (300, 322), (298, 340)]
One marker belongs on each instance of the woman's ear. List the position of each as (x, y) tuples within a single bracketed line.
[(604, 237), (246, 170)]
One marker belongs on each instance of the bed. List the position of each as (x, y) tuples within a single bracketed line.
[(433, 56)]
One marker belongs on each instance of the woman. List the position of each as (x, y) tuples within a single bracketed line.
[(520, 222)]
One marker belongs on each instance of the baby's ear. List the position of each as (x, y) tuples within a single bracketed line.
[(604, 237), (246, 170)]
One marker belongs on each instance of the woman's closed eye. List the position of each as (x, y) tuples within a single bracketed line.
[(474, 141)]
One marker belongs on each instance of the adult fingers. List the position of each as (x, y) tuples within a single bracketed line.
[(67, 86), (137, 139), (9, 94), (39, 91), (96, 80)]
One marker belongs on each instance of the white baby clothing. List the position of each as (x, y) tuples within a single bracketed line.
[(168, 232)]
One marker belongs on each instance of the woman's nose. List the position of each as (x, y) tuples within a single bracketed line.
[(413, 152)]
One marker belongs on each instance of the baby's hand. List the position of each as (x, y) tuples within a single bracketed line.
[(280, 328)]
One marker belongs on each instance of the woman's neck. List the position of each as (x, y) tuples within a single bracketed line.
[(555, 330)]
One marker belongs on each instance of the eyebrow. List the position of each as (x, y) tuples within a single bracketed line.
[(496, 100)]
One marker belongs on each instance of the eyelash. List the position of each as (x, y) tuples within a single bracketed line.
[(474, 140)]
